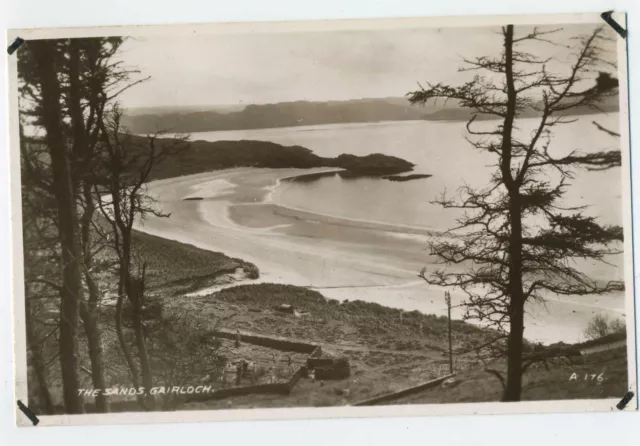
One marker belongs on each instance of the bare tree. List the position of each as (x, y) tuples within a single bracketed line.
[(82, 59), (126, 161), (94, 80), (515, 237), (600, 326)]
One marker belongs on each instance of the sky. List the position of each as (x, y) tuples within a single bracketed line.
[(221, 69)]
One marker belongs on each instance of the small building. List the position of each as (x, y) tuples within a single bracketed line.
[(338, 369)]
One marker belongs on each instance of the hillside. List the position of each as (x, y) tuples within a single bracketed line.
[(600, 375), (301, 113), (282, 114), (388, 349), (198, 268), (204, 156)]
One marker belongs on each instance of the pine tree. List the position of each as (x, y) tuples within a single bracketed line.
[(515, 239)]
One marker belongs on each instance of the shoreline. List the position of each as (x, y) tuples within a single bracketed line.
[(341, 258), (337, 220)]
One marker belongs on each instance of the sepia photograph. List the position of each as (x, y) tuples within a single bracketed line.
[(321, 219)]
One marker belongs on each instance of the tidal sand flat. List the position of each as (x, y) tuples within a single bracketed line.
[(238, 214)]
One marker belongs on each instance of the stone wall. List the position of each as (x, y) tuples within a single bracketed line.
[(405, 392), (314, 361), (269, 341), (283, 388)]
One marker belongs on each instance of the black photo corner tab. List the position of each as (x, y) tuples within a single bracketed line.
[(15, 45), (625, 400), (606, 16), (25, 410)]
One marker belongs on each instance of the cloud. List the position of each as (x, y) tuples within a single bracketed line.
[(262, 68)]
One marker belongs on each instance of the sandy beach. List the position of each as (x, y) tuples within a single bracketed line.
[(237, 212)]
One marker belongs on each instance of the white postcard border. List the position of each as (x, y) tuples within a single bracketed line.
[(19, 340)]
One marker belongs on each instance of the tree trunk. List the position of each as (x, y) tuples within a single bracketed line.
[(136, 299), (45, 403), (91, 327), (513, 385), (448, 299), (83, 175), (37, 363), (71, 292), (126, 351), (122, 246), (94, 343)]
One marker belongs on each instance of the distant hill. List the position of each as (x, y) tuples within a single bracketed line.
[(609, 104), (182, 109), (282, 114), (300, 113)]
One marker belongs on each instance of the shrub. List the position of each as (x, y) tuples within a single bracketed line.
[(600, 326), (251, 271)]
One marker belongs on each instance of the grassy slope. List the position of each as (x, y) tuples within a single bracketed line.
[(172, 268), (171, 263), (387, 352), (331, 321), (540, 383)]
